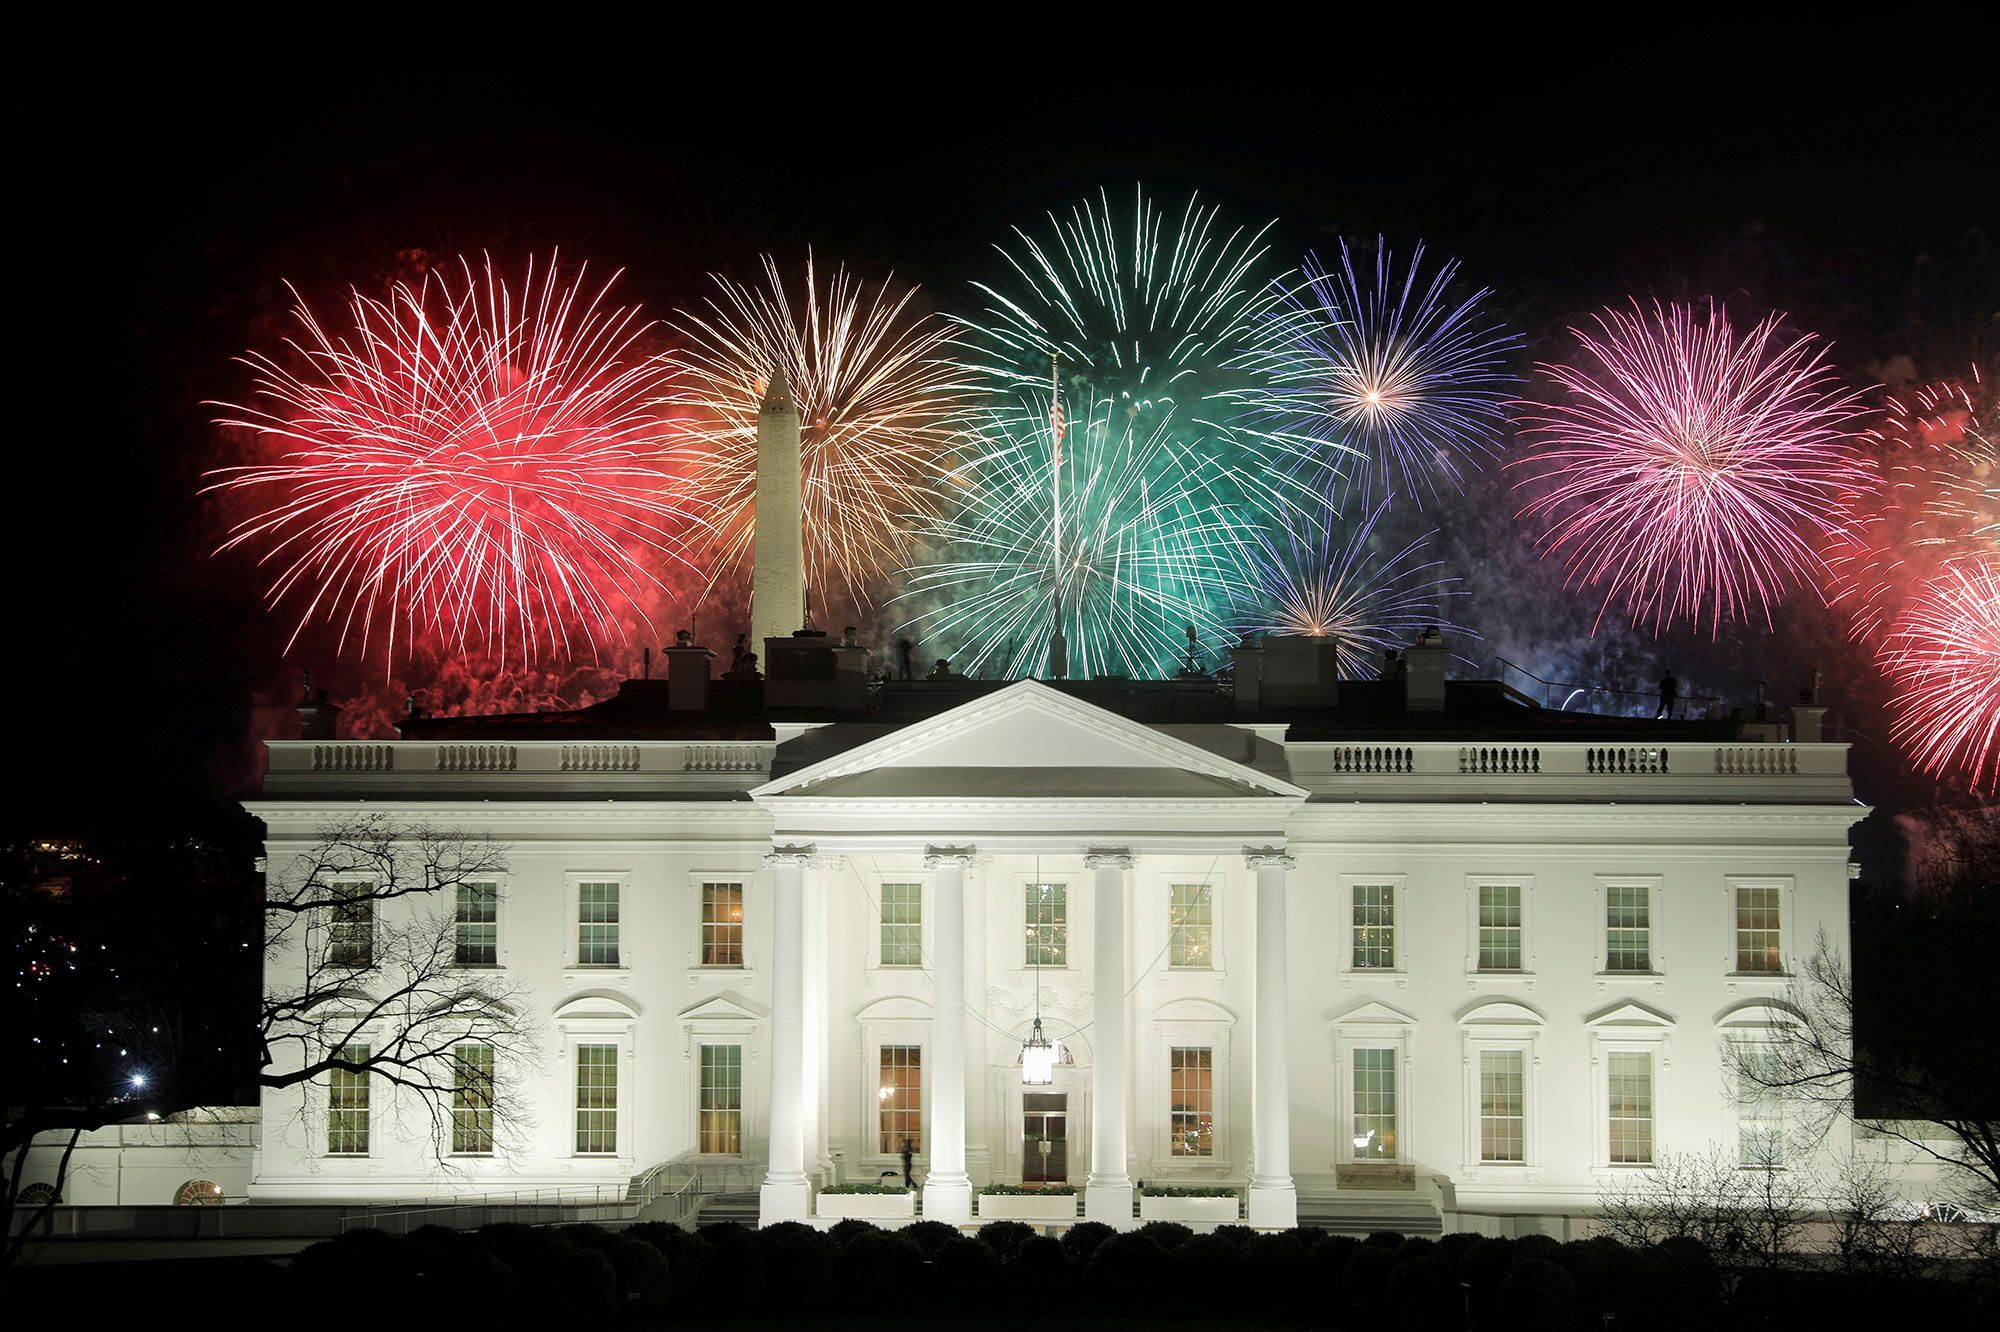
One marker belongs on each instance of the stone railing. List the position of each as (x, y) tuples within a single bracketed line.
[(725, 758), (1566, 770), (600, 758), (1507, 758), (476, 758), (1371, 758), (488, 767), (352, 756), (1758, 760)]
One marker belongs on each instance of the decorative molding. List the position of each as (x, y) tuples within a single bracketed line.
[(1108, 857), (957, 857), (1268, 857), (801, 855)]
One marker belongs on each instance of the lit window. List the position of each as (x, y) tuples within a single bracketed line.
[(476, 925), (1502, 1106), (347, 1105), (472, 1100), (1630, 1081), (1048, 925), (597, 924), (351, 941), (1191, 1092), (902, 924), (1374, 926), (900, 1098), (1374, 1105), (1757, 929), (722, 1100), (722, 924), (1191, 921), (596, 1100), (1499, 927), (1628, 927)]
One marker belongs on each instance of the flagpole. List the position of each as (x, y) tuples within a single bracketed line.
[(1058, 644)]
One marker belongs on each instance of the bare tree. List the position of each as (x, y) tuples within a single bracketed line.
[(1755, 1212)]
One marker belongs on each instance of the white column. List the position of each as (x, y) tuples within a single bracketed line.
[(1274, 1199), (785, 1195), (1107, 1196), (947, 1188)]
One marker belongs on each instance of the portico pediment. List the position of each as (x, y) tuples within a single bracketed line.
[(1028, 742)]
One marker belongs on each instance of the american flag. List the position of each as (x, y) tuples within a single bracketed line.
[(1058, 423)]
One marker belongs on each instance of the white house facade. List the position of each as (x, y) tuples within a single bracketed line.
[(1400, 941)]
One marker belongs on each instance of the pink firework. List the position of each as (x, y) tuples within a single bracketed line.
[(465, 462), (1944, 655), (1690, 472)]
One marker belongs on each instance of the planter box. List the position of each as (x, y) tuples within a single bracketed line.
[(1027, 1206), (1190, 1211), (868, 1206)]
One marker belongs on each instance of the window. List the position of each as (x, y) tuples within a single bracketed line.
[(1191, 1094), (1503, 1106), (901, 1097), (1375, 1105), (902, 924), (1048, 925), (596, 1100), (1631, 1108), (721, 1100), (722, 924), (1374, 926), (597, 923), (1757, 942), (472, 1101), (347, 1105), (476, 925), (1500, 927), (1191, 923), (1628, 927), (1760, 1125), (351, 942)]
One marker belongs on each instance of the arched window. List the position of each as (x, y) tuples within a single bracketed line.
[(37, 1195), (198, 1193)]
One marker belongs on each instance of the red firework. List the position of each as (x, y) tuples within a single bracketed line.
[(1691, 472), (1944, 655), (466, 460)]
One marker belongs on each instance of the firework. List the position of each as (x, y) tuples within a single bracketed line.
[(875, 399), (1379, 374), (1322, 583), (1944, 655), (1690, 472), (466, 460)]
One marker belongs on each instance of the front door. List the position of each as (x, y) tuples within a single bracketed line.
[(1044, 1138)]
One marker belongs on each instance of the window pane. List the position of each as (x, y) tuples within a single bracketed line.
[(472, 1101), (1628, 932), (722, 1100), (1502, 1106), (351, 941), (347, 1105), (1760, 1125), (1048, 925), (1500, 927), (1631, 1109), (596, 1100), (476, 927), (1374, 1105), (597, 924), (901, 1098), (902, 924), (1757, 930), (1191, 925), (1374, 925), (1191, 1089), (722, 924)]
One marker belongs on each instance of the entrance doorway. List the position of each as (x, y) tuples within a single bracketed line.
[(1044, 1138)]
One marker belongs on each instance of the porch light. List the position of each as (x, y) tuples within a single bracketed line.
[(1038, 1058)]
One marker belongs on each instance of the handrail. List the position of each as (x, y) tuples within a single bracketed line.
[(1550, 686)]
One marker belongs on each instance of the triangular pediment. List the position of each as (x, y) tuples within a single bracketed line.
[(1371, 1012), (1628, 1013), (1029, 741), (722, 1008)]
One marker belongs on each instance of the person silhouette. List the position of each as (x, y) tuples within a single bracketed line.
[(909, 1155), (1670, 690), (905, 649)]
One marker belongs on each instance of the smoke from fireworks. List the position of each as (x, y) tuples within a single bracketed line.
[(466, 460), (1690, 472), (875, 406), (1380, 375), (1944, 655)]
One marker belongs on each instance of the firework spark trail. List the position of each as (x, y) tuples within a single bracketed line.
[(1690, 472), (1944, 654), (467, 460), (876, 405), (1323, 583), (1382, 377)]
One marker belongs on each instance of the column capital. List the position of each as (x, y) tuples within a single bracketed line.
[(800, 855), (958, 857), (1108, 857), (1268, 857)]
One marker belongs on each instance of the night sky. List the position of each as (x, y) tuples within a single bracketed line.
[(1568, 163)]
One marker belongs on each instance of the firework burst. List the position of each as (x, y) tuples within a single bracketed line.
[(466, 460), (1379, 374), (1944, 655), (1323, 583), (1690, 472), (876, 404)]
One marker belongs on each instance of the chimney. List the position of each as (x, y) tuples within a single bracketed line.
[(1249, 658), (810, 670), (688, 671), (316, 715), (1299, 671), (1423, 672), (778, 576)]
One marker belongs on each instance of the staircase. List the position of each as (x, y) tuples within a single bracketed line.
[(719, 1207), (1343, 1214)]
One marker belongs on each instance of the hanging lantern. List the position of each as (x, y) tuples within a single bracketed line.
[(1038, 1058)]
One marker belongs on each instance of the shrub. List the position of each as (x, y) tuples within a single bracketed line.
[(1453, 1247), (1189, 1191), (1129, 1274), (1081, 1240), (802, 1259), (1423, 1295), (875, 1268), (1042, 1266), (1537, 1294), (1208, 1269), (733, 1271), (847, 1228), (645, 1280), (1388, 1239), (1277, 1264), (1367, 1276), (1237, 1235), (1169, 1235), (1028, 1190), (929, 1235), (968, 1272), (1484, 1267), (1006, 1237), (862, 1188), (1416, 1246)]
